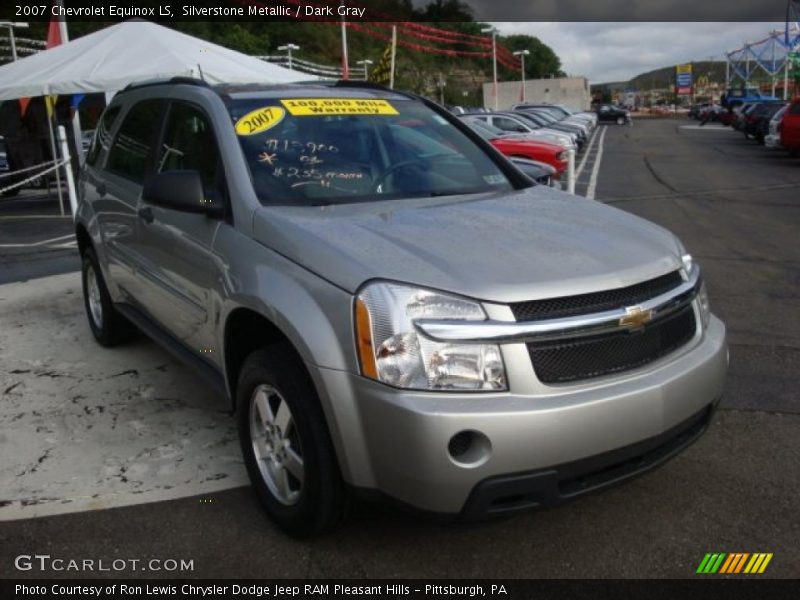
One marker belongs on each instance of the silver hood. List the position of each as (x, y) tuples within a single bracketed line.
[(529, 244)]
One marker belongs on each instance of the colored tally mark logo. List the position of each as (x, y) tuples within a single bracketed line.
[(734, 563)]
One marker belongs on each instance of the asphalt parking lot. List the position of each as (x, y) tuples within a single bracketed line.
[(130, 457)]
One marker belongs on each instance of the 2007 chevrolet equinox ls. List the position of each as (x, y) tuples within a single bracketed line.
[(390, 307)]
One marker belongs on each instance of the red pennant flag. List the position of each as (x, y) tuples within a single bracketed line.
[(54, 31), (23, 105)]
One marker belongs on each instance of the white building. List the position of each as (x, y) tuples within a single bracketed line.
[(570, 91)]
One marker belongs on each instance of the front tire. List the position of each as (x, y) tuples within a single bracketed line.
[(285, 443), (620, 120), (108, 326)]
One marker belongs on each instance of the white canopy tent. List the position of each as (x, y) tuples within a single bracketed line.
[(133, 51)]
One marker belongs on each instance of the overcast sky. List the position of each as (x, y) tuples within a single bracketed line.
[(619, 51)]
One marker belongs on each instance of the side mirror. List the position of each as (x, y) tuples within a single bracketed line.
[(521, 129), (180, 190)]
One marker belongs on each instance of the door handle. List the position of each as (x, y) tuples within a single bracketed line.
[(146, 214)]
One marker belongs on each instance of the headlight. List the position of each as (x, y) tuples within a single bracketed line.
[(391, 350), (688, 265), (703, 305)]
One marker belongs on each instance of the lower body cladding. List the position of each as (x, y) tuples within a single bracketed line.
[(482, 454)]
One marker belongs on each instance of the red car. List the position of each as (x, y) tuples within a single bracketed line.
[(790, 127), (552, 154)]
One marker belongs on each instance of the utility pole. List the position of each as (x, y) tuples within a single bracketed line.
[(522, 54), (493, 31), (288, 49), (345, 63)]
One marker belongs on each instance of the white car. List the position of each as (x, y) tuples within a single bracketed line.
[(518, 125), (773, 138)]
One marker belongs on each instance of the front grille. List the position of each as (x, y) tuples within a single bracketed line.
[(572, 359), (552, 308)]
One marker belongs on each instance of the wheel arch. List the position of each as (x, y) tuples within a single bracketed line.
[(245, 331), (83, 238)]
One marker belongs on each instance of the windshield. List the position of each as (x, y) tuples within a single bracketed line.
[(546, 117), (316, 151), (531, 118), (484, 129)]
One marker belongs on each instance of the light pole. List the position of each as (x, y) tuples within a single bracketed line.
[(493, 31), (288, 49), (366, 63), (522, 54), (10, 25)]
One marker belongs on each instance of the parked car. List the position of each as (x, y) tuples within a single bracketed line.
[(710, 112), (756, 124), (391, 308), (585, 114), (740, 114), (547, 119), (4, 169), (790, 127), (548, 122), (608, 113), (773, 137), (540, 172), (695, 110), (513, 123), (561, 113), (522, 146), (86, 139), (6, 178)]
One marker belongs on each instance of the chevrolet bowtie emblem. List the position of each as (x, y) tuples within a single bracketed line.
[(636, 317)]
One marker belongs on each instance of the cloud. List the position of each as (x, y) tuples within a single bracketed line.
[(632, 10), (619, 51)]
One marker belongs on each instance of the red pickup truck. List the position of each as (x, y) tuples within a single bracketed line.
[(790, 127)]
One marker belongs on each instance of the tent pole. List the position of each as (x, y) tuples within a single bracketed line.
[(53, 152)]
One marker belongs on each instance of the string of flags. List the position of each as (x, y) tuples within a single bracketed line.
[(50, 103)]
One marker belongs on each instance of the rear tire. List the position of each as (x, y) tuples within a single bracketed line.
[(108, 326), (285, 443)]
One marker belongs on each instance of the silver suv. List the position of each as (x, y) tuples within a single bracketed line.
[(390, 307)]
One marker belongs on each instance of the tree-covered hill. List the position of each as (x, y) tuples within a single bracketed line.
[(422, 71)]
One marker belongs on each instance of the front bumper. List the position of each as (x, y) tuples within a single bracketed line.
[(397, 441), (772, 141)]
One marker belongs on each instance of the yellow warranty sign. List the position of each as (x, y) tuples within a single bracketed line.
[(259, 120), (306, 107)]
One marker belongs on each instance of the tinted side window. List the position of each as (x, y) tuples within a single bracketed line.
[(795, 109), (505, 124), (128, 155), (189, 143), (102, 137)]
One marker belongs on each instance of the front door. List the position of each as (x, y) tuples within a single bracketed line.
[(179, 264)]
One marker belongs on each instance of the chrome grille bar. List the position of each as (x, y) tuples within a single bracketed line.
[(609, 321)]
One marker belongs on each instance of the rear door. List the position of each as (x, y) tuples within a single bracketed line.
[(115, 192)]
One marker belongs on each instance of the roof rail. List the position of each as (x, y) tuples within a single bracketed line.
[(357, 83), (178, 79)]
